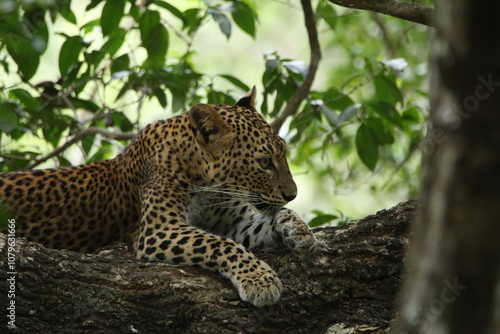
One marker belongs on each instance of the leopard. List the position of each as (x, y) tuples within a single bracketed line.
[(202, 188)]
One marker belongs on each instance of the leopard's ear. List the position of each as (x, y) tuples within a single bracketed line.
[(248, 100), (209, 125)]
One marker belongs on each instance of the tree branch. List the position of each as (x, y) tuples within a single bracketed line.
[(409, 11), (352, 281), (301, 93), (77, 137)]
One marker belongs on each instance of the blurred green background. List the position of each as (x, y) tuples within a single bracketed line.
[(354, 144)]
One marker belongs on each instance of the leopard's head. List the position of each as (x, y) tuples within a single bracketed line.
[(247, 157)]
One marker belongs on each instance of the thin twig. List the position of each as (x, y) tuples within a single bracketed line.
[(386, 37), (301, 93), (13, 157), (77, 137)]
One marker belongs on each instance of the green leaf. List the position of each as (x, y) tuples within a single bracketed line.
[(34, 22), (157, 45), (388, 112), (191, 20), (222, 20), (297, 67), (321, 219), (244, 18), (326, 11), (94, 58), (9, 6), (154, 37), (331, 116), (272, 65), (87, 143), (115, 41), (120, 64), (68, 14), (85, 105), (89, 26), (69, 53), (177, 13), (348, 113), (28, 101), (111, 16), (8, 117), (93, 4), (63, 162), (23, 53), (382, 131), (160, 96), (149, 20), (102, 153), (336, 99), (235, 81), (366, 146), (387, 90), (122, 121)]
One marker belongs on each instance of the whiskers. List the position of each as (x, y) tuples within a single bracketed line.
[(223, 195), (229, 196)]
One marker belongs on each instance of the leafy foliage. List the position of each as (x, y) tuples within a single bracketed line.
[(116, 57)]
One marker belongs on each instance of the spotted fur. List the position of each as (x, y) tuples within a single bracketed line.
[(200, 189)]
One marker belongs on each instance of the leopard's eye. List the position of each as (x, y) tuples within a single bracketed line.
[(266, 163)]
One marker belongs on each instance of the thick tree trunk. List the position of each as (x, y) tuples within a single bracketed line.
[(453, 283), (352, 281)]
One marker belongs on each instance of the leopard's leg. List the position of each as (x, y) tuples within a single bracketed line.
[(164, 236), (242, 223)]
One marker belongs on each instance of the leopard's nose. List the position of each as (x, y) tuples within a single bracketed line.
[(289, 197)]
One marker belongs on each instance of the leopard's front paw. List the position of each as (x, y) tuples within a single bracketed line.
[(296, 234), (261, 287)]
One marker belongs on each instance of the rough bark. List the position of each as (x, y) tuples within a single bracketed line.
[(410, 11), (453, 281), (352, 281)]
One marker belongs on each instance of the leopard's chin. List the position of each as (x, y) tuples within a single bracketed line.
[(267, 209)]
